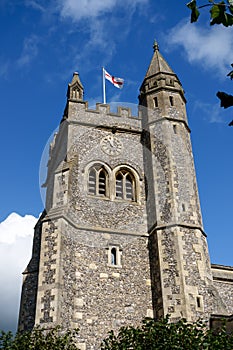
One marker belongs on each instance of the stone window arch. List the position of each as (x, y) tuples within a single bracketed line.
[(98, 181), (114, 253), (126, 184), (121, 183)]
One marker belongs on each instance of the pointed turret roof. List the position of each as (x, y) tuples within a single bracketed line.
[(158, 64), (76, 79), (159, 76), (75, 88)]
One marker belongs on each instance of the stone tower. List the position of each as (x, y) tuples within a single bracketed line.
[(121, 237), (180, 269)]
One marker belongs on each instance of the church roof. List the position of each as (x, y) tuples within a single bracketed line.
[(158, 64), (159, 76), (76, 80), (75, 88)]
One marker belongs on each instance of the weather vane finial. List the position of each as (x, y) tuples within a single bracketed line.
[(156, 45)]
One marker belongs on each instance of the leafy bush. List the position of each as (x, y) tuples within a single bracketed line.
[(162, 335), (39, 339)]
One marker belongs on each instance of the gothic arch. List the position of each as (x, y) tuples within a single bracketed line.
[(126, 183), (121, 183), (97, 179)]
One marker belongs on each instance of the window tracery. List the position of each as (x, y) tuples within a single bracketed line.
[(120, 183), (97, 181), (125, 185)]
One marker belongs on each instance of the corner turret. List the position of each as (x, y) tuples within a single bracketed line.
[(161, 89), (75, 89)]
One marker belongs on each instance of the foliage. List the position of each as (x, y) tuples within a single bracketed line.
[(220, 13), (39, 339), (162, 335)]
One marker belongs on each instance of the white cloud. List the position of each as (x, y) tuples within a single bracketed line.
[(87, 9), (210, 47), (30, 50), (16, 235), (4, 67), (34, 4), (211, 112), (102, 25), (84, 8), (16, 226)]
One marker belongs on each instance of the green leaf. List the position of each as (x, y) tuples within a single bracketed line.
[(230, 74), (231, 9), (39, 339), (192, 5), (220, 16), (226, 99), (230, 2), (229, 20), (217, 10)]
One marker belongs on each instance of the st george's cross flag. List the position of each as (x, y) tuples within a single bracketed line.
[(117, 82)]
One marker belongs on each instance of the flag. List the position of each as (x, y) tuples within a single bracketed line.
[(117, 82)]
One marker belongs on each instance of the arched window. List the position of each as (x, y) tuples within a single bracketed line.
[(113, 256), (125, 185), (97, 181)]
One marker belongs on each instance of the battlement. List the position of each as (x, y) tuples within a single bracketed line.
[(107, 109), (107, 115)]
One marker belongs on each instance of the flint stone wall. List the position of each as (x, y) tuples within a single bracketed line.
[(223, 282), (97, 296)]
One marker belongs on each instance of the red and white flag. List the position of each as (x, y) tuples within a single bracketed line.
[(117, 82)]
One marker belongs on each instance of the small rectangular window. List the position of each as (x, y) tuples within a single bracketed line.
[(171, 100), (156, 101), (170, 82)]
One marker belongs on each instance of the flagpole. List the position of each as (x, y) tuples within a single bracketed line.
[(104, 88)]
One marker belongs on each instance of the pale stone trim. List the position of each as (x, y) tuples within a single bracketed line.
[(81, 346), (118, 256), (79, 315), (94, 229), (149, 313)]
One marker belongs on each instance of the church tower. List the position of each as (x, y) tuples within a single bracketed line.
[(121, 237)]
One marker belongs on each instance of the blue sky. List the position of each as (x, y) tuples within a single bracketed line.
[(44, 42)]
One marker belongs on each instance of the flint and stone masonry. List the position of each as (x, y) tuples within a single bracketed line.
[(121, 237)]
